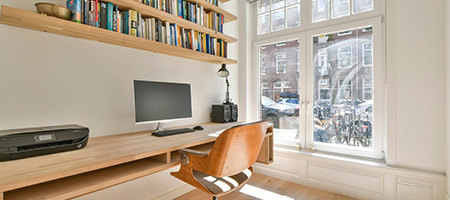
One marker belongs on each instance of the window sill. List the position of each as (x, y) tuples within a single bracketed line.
[(332, 156)]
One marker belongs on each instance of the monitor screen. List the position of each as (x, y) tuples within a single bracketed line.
[(161, 101)]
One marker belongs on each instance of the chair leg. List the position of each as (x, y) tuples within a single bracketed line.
[(215, 198)]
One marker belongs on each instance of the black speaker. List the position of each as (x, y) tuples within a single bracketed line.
[(221, 113), (234, 113)]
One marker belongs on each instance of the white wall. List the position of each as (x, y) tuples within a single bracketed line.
[(48, 79), (416, 55)]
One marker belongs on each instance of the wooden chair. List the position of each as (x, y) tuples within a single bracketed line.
[(228, 165)]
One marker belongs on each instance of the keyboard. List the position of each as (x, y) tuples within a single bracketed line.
[(172, 132)]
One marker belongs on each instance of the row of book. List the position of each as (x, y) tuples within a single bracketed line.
[(169, 33), (189, 11), (108, 16)]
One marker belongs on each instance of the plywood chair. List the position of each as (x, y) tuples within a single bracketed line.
[(228, 165)]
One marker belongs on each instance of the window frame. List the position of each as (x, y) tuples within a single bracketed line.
[(303, 34), (378, 89), (301, 84)]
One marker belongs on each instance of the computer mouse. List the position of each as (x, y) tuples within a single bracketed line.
[(198, 128)]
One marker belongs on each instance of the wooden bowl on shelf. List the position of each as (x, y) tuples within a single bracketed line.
[(53, 10)]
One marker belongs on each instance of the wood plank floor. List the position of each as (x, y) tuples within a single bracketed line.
[(264, 187)]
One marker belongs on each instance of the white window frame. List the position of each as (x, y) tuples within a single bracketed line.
[(364, 54), (378, 90), (303, 33), (301, 85)]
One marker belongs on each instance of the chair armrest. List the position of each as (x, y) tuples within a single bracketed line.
[(194, 152), (188, 154)]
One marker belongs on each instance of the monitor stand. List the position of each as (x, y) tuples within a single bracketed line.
[(159, 127)]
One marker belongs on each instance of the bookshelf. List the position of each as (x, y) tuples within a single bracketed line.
[(223, 1), (35, 21)]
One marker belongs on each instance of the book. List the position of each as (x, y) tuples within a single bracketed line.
[(75, 7), (153, 25), (109, 16), (82, 11), (119, 22), (158, 30), (174, 7), (167, 32), (180, 8), (96, 12), (115, 18), (134, 22), (103, 16)]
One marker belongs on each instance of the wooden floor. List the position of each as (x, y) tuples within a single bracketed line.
[(263, 187)]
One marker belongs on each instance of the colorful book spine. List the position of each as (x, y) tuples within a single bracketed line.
[(109, 16), (134, 23), (103, 16)]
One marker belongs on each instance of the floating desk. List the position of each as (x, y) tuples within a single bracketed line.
[(105, 162)]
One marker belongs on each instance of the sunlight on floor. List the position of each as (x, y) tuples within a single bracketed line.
[(262, 194)]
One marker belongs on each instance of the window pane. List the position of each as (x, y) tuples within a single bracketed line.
[(278, 20), (290, 2), (321, 10), (340, 8), (360, 6), (280, 90), (263, 6), (293, 16), (277, 4), (264, 24), (343, 92)]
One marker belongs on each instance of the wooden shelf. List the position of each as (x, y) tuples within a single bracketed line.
[(31, 20), (223, 1), (148, 11), (78, 185), (211, 7)]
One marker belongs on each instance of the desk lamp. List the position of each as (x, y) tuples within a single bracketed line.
[(224, 73)]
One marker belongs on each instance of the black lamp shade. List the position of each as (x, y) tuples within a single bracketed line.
[(223, 71)]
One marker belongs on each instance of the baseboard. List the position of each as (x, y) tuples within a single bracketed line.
[(175, 193), (360, 180)]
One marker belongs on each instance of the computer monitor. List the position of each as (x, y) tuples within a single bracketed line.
[(161, 102)]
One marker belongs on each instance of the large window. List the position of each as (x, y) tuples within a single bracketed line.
[(322, 87)]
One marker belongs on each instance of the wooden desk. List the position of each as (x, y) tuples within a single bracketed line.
[(105, 162)]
